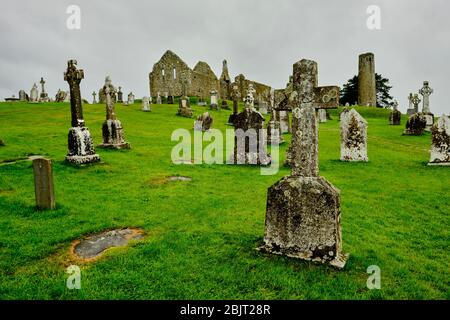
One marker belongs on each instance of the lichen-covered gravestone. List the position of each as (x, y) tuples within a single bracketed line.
[(112, 130), (203, 122), (146, 104), (43, 183), (81, 146), (415, 125), (440, 142), (322, 114), (303, 209), (250, 139), (353, 137), (395, 115)]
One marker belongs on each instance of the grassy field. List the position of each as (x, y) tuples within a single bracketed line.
[(201, 235)]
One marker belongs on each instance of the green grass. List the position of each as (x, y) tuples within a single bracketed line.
[(201, 235)]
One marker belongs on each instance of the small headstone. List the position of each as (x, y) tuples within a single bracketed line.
[(322, 114), (43, 183), (415, 125), (303, 209), (130, 98), (203, 122), (214, 100), (440, 142), (81, 146), (395, 116), (353, 137), (60, 96), (23, 97), (146, 104), (158, 99)]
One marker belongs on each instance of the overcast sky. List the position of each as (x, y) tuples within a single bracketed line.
[(259, 38)]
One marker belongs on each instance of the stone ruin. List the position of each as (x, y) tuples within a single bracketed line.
[(250, 138), (353, 137), (80, 144), (395, 116), (112, 130), (440, 142), (303, 209), (415, 125), (203, 122)]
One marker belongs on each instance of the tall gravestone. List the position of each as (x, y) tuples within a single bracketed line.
[(43, 183), (353, 137), (367, 94), (410, 111), (34, 94), (112, 131), (214, 100), (44, 95), (322, 115), (94, 100), (146, 104), (303, 209), (235, 95), (395, 116), (440, 142), (119, 95), (283, 118), (426, 91), (250, 138), (274, 134), (80, 144), (415, 101)]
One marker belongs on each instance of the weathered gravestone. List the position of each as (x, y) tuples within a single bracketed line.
[(274, 134), (440, 142), (23, 97), (426, 91), (146, 104), (214, 100), (395, 116), (60, 96), (94, 100), (303, 209), (43, 183), (283, 117), (81, 146), (120, 95), (43, 96), (158, 99), (34, 94), (353, 137), (415, 125), (322, 115), (184, 105), (410, 111), (112, 130), (415, 101), (224, 104), (250, 137), (235, 95), (367, 93), (203, 122), (130, 98)]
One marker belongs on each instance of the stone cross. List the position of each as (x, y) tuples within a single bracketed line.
[(93, 95), (42, 82), (74, 76), (43, 183), (426, 91), (309, 96), (416, 100)]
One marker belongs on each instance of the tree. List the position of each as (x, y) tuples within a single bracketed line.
[(349, 92)]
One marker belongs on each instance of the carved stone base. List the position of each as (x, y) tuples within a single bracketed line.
[(81, 146), (303, 220), (113, 135)]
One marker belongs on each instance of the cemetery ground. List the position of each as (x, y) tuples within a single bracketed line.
[(201, 235)]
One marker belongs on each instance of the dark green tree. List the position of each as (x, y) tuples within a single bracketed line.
[(349, 92)]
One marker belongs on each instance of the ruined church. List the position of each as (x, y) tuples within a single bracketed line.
[(171, 76)]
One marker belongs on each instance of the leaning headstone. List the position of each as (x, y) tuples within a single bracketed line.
[(440, 142), (214, 100), (34, 94), (81, 146), (235, 95), (146, 104), (395, 116), (112, 130), (203, 122), (43, 183), (415, 125), (303, 209), (250, 138), (426, 91), (322, 114), (353, 137)]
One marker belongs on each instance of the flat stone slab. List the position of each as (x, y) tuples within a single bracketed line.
[(179, 178), (93, 246)]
